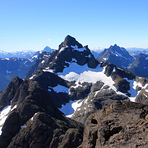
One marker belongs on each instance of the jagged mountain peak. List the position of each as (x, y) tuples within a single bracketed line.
[(70, 41), (115, 48), (71, 51), (116, 55), (47, 49)]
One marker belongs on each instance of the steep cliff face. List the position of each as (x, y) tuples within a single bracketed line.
[(71, 51), (9, 92)]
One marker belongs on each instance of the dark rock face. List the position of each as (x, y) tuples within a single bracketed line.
[(72, 138), (9, 92), (139, 66), (80, 92), (69, 53), (99, 97), (109, 69), (44, 131), (69, 40), (30, 99), (48, 81), (120, 83), (122, 124), (116, 55), (10, 129)]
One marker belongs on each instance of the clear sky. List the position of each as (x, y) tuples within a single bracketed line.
[(34, 24)]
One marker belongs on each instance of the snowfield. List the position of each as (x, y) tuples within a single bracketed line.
[(3, 116)]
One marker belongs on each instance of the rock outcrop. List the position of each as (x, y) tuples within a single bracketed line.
[(9, 92), (123, 124)]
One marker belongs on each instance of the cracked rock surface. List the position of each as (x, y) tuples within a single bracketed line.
[(123, 124)]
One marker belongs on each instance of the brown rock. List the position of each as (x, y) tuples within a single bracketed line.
[(123, 124)]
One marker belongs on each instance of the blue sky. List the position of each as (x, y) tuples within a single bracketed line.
[(34, 24)]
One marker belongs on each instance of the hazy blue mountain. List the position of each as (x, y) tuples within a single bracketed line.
[(140, 65), (116, 55)]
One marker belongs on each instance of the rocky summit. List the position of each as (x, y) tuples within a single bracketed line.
[(71, 99)]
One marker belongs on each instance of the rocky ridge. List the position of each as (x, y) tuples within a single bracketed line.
[(90, 85)]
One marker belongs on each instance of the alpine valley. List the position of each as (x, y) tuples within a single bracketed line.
[(71, 99)]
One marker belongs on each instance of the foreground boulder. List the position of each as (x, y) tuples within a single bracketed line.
[(123, 124)]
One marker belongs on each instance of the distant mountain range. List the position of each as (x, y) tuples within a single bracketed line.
[(17, 54), (12, 64), (23, 54), (71, 99), (10, 67), (133, 61), (140, 65)]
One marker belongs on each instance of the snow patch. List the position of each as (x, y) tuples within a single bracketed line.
[(33, 117), (62, 49), (35, 56), (32, 77), (120, 69), (105, 59), (78, 84), (139, 85), (6, 59), (14, 108), (48, 70), (77, 104), (132, 90), (43, 62), (90, 77), (118, 54), (3, 116), (78, 49)]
